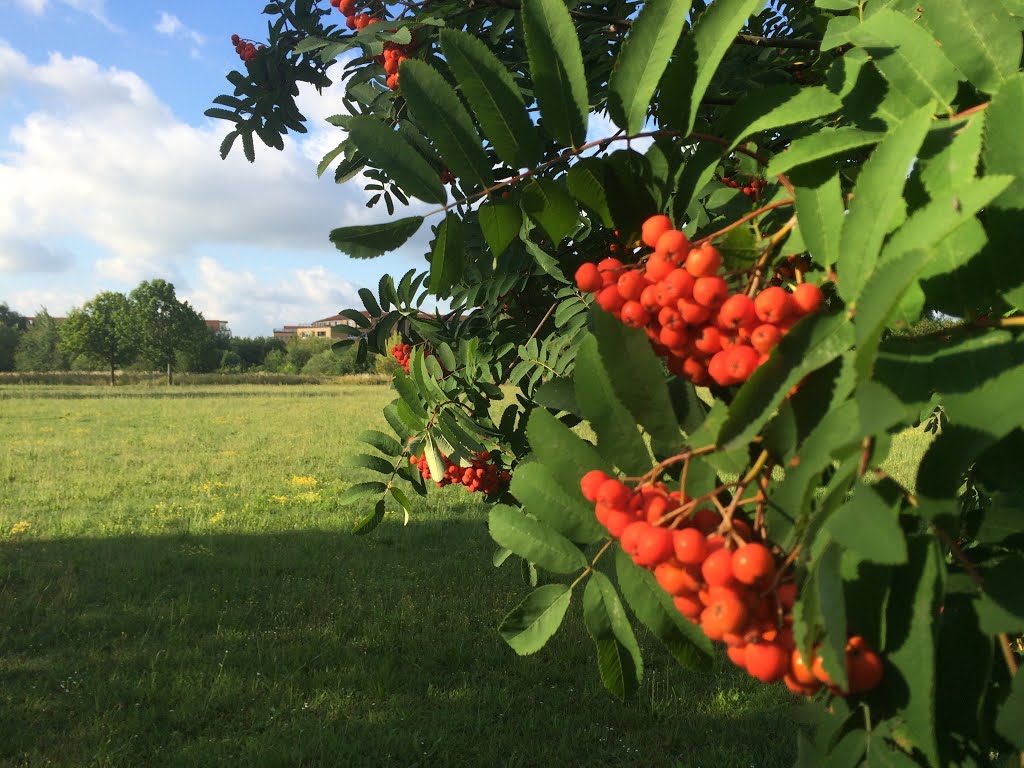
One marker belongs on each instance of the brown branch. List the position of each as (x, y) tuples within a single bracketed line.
[(743, 220)]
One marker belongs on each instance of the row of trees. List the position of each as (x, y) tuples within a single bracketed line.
[(151, 329)]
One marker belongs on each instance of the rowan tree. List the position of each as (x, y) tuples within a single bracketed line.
[(718, 286)]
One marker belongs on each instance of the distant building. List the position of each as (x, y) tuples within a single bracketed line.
[(317, 329), (219, 326)]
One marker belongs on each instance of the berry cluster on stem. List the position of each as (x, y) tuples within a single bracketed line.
[(483, 475), (722, 578), (245, 49), (402, 353), (704, 330), (393, 54), (752, 190)]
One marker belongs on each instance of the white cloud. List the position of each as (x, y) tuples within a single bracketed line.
[(254, 306), (23, 255), (170, 25), (95, 8), (107, 161)]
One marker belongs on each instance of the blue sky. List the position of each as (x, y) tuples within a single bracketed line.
[(110, 173)]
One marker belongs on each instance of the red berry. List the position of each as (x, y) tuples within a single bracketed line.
[(591, 482), (654, 228), (765, 337), (717, 568), (690, 546), (773, 305), (737, 312), (634, 315), (588, 279), (710, 291), (703, 261), (673, 246), (807, 298), (753, 565)]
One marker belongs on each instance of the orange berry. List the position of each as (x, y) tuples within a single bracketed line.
[(631, 284), (717, 568), (658, 267), (753, 565), (807, 298), (690, 546), (609, 269), (692, 312), (634, 315), (765, 337), (800, 671), (773, 305), (864, 668), (703, 261), (591, 482), (588, 278), (674, 246), (736, 312), (654, 228), (654, 546), (768, 662), (674, 579), (737, 655), (609, 299), (710, 291), (614, 493)]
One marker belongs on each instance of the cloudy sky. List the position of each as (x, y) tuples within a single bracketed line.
[(110, 173)]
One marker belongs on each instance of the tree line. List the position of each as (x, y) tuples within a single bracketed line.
[(151, 329)]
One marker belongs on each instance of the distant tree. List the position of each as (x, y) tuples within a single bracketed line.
[(11, 325), (166, 326), (40, 346), (102, 328), (254, 351)]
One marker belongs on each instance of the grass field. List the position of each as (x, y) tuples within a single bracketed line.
[(178, 587)]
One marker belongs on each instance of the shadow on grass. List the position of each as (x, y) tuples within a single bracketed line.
[(318, 648)]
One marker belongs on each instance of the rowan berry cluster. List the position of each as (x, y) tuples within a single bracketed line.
[(752, 190), (704, 331), (721, 579), (483, 475), (353, 20), (402, 353), (246, 51)]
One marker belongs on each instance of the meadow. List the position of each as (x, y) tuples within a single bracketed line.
[(178, 587)]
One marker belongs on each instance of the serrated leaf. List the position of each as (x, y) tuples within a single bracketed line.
[(435, 461), (370, 521), (637, 379), (370, 302), (540, 493), (977, 38), (1001, 607), (1011, 714), (386, 444), (440, 113), (618, 438), (388, 150), (653, 606), (500, 223), (547, 203), (642, 60), (907, 57), (448, 258), (699, 55), (403, 501), (879, 187), (494, 97), (869, 525), (812, 344), (368, 461), (532, 623), (618, 653), (556, 68), (367, 241), (535, 540), (819, 209), (585, 181), (910, 642), (360, 491), (823, 143)]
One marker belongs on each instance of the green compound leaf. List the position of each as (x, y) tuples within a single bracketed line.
[(642, 60), (618, 653), (368, 522), (586, 182), (535, 485), (535, 540), (813, 343), (618, 438), (821, 144), (548, 203), (690, 73), (448, 257), (908, 57), (910, 642), (879, 187), (533, 622), (979, 38), (638, 380), (361, 491), (556, 66), (500, 223), (494, 97), (653, 606), (818, 198), (869, 525), (367, 241), (391, 152), (440, 113)]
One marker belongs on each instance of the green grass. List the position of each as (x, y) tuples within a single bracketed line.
[(178, 591)]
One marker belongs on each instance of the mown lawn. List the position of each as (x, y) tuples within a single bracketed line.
[(178, 587)]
